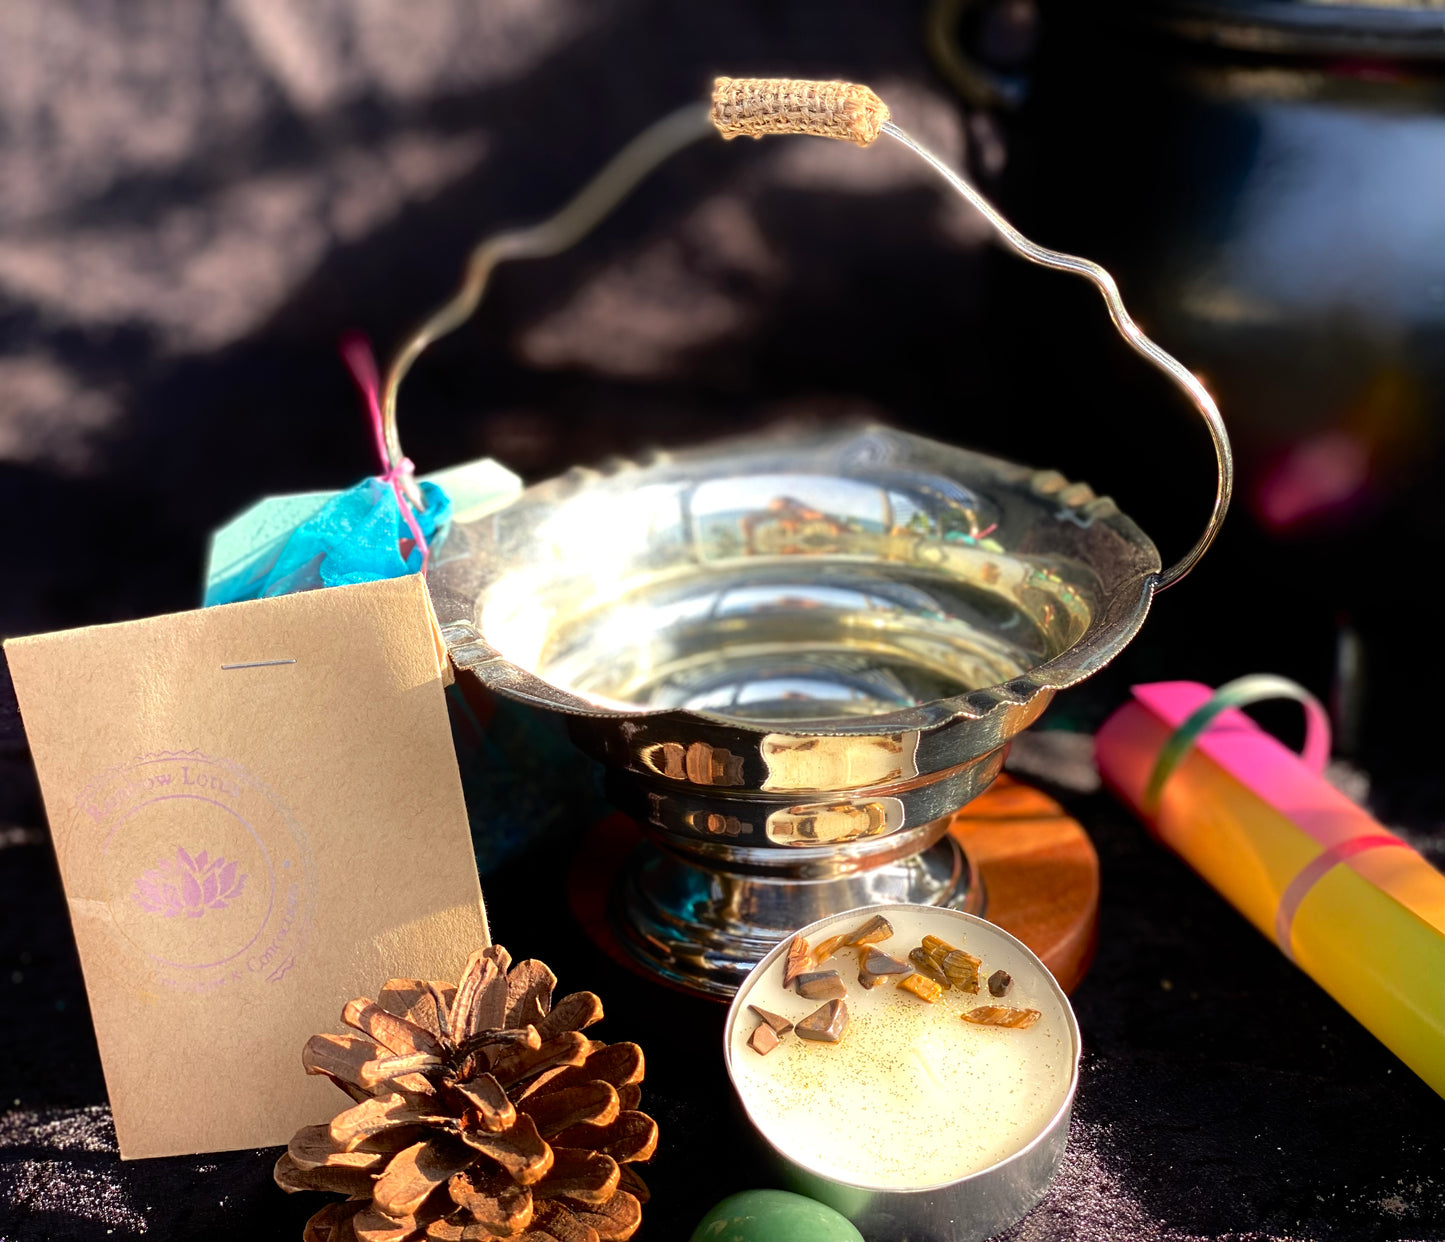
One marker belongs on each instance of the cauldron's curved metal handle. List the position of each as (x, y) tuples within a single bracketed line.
[(756, 107), (618, 178), (1128, 329)]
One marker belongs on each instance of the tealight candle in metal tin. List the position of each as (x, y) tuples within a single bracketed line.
[(917, 1125)]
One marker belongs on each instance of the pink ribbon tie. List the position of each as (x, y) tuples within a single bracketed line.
[(356, 352)]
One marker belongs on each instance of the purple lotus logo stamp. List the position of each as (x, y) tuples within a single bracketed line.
[(189, 884), (202, 871)]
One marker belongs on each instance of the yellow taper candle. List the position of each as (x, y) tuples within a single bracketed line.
[(1355, 906)]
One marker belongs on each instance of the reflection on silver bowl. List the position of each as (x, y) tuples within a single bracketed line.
[(796, 657)]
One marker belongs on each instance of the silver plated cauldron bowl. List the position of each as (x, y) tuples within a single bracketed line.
[(795, 658)]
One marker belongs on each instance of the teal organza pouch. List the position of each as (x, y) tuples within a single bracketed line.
[(359, 535)]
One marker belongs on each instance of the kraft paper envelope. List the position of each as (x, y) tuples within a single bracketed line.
[(258, 816)]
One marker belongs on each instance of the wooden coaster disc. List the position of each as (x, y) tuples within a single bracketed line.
[(1038, 868), (1039, 871)]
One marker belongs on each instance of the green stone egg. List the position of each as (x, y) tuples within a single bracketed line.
[(773, 1216)]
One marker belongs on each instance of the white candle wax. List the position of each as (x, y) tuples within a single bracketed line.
[(913, 1096)]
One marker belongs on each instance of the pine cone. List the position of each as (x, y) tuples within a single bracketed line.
[(481, 1112)]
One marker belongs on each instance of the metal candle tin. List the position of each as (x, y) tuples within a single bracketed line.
[(968, 1209)]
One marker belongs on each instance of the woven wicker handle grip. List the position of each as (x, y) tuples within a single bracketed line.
[(753, 107)]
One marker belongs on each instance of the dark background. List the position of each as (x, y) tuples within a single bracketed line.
[(196, 200)]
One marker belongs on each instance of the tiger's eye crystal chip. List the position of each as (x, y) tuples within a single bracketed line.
[(781, 1026), (797, 960), (825, 1024), (763, 1040), (961, 969), (936, 947), (926, 966), (820, 985), (826, 948), (921, 987), (873, 931), (1001, 1015), (877, 965)]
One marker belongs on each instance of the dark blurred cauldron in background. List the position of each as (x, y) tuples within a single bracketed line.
[(1265, 180)]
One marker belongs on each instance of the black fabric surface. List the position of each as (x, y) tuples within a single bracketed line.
[(197, 200), (1222, 1095)]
